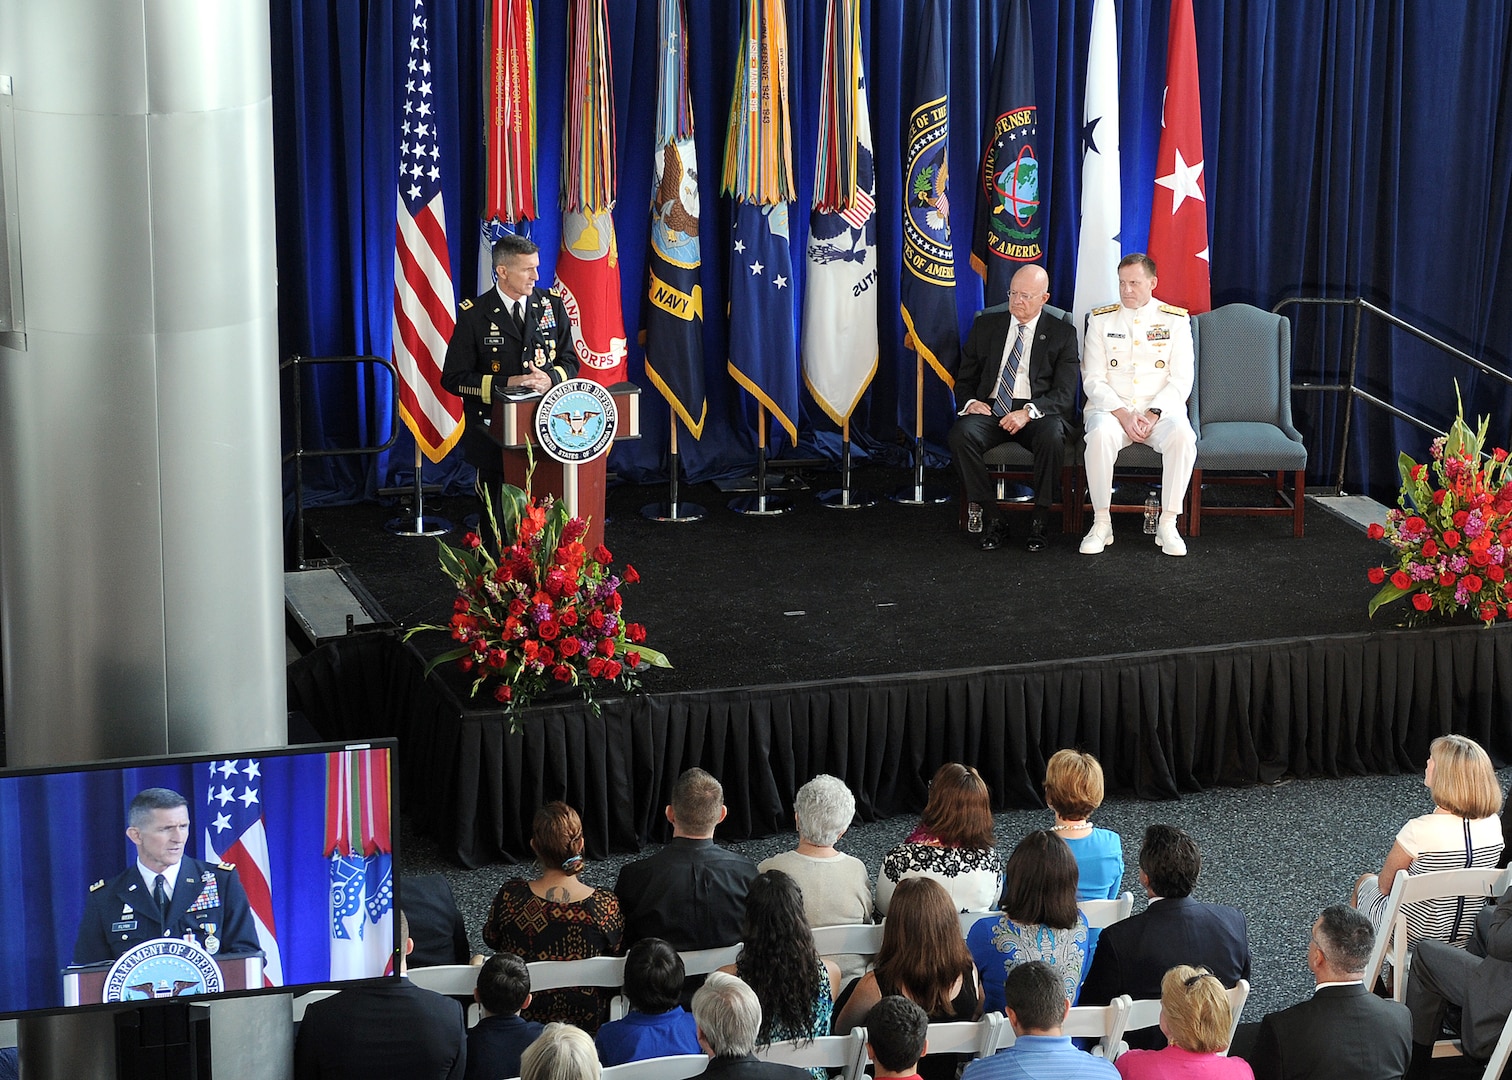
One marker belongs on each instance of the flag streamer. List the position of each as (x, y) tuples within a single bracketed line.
[(758, 167), (510, 187), (588, 179)]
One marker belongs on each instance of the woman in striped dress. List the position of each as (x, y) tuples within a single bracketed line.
[(1463, 830)]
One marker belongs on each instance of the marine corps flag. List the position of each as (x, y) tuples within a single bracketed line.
[(674, 318), (1009, 216), (1178, 213), (587, 270), (759, 174), (509, 138), (928, 286), (840, 306)]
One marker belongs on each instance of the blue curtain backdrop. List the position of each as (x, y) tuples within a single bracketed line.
[(1349, 150)]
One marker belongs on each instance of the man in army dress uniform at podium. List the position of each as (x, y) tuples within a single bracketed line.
[(165, 894)]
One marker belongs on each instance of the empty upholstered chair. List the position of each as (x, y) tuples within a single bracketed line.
[(1242, 412)]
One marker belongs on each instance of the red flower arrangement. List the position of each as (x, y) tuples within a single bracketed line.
[(1452, 534), (545, 613)]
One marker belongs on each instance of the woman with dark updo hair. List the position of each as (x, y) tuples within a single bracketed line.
[(557, 917)]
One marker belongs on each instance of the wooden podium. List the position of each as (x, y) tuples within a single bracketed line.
[(85, 985), (580, 485)]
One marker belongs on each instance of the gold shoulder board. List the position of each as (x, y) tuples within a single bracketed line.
[(97, 885), (1104, 309), (1172, 309), (465, 304), (227, 865)]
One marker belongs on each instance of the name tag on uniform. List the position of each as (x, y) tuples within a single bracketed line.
[(1114, 334), (493, 341), (1158, 333), (121, 927)]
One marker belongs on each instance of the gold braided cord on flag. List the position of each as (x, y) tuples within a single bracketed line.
[(674, 105), (588, 180), (835, 164), (758, 167)]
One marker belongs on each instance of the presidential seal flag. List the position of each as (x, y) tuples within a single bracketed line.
[(587, 270), (1009, 213), (928, 279), (229, 795), (509, 195), (759, 174), (360, 851), (840, 306), (1178, 212), (1099, 244), (674, 316)]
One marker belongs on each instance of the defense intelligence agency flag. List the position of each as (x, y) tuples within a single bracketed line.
[(1009, 217), (928, 285), (674, 318)]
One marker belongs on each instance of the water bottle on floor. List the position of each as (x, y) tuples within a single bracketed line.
[(973, 517), (1152, 512)]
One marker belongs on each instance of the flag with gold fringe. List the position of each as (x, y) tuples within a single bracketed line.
[(587, 270), (758, 172), (509, 193), (840, 304), (674, 316)]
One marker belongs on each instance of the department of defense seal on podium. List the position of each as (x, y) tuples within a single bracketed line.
[(162, 968), (576, 421)]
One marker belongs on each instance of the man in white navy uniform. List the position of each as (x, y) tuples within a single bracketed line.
[(1137, 370)]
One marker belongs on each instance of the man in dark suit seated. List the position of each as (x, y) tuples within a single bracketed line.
[(1017, 382), (397, 1029), (1477, 978), (1343, 1030), (729, 1019), (1134, 954)]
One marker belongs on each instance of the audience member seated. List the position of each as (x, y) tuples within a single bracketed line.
[(1343, 1031), (563, 1052), (778, 960), (1477, 979), (1463, 830), (1036, 1009), (495, 1043), (897, 1033), (439, 932), (728, 1018), (924, 959), (557, 917), (1196, 1018), (392, 1029), (953, 844), (656, 1025), (1040, 920), (836, 888), (1074, 791), (1133, 955), (692, 892)]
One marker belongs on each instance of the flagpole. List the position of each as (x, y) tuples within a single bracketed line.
[(761, 504), (920, 494), (672, 510), (419, 525), (843, 498)]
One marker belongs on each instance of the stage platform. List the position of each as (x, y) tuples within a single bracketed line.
[(876, 643)]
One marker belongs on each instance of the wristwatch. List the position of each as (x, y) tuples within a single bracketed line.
[(1156, 412), (1033, 410)]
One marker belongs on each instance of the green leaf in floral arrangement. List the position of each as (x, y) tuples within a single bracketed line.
[(446, 657), (454, 563), (649, 657), (515, 500), (1387, 594), (1405, 465)]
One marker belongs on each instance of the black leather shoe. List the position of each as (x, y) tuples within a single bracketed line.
[(1036, 541), (994, 534)]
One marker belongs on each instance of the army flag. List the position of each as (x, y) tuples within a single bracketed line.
[(1178, 212), (587, 270), (758, 172), (840, 305), (1099, 245), (928, 279), (509, 195), (674, 317), (360, 853), (1010, 216)]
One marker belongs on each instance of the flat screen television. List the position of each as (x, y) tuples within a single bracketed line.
[(278, 874)]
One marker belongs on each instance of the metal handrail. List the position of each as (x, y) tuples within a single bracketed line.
[(1362, 306), (299, 453)]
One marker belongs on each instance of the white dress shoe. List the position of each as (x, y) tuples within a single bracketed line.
[(1169, 539), (1100, 537)]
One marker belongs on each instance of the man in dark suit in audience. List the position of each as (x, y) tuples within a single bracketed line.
[(692, 892), (397, 1029), (435, 922), (1478, 979), (1017, 383), (728, 1016), (1134, 954), (1343, 1031)]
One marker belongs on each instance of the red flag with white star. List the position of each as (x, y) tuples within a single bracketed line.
[(1178, 214)]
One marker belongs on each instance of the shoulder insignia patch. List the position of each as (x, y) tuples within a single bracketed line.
[(1104, 309), (97, 885), (465, 305), (1172, 309), (227, 865)]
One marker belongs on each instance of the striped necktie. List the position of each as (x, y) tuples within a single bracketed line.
[(1002, 401)]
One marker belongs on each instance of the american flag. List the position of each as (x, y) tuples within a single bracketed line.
[(424, 298), (230, 795)]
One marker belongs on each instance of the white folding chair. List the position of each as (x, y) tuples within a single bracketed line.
[(1476, 882), (971, 918), (453, 980), (1102, 914), (1105, 1023), (703, 961), (677, 1067), (1145, 1013), (862, 938), (844, 1052), (978, 1038)]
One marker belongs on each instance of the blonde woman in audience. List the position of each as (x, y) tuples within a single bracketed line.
[(562, 1052), (1074, 791), (1196, 1018), (953, 844), (1463, 830), (835, 886)]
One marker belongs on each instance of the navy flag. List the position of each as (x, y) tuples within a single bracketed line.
[(928, 285), (1009, 216)]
